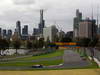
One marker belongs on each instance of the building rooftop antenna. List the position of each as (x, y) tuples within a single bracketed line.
[(97, 15), (92, 17), (92, 10)]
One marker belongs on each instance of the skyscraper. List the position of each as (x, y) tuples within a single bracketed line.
[(9, 33), (0, 31), (18, 28), (25, 30), (77, 20), (99, 30), (42, 22), (51, 33), (35, 31), (4, 33), (25, 33), (39, 31), (87, 28)]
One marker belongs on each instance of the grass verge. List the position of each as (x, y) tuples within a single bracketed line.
[(55, 54), (45, 63)]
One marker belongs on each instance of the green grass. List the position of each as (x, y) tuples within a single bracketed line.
[(11, 56), (93, 65), (54, 54), (46, 63)]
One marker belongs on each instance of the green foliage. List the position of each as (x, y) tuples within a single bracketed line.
[(56, 38), (84, 42), (66, 39), (35, 43), (87, 42), (41, 43), (16, 44), (93, 42), (28, 44), (47, 42), (4, 44), (38, 43)]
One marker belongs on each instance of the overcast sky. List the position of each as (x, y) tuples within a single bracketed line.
[(59, 12)]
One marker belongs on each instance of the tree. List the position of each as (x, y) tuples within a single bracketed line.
[(56, 38), (9, 44), (47, 42), (66, 39), (4, 44), (92, 44), (35, 43), (41, 43), (16, 44), (28, 44), (84, 42)]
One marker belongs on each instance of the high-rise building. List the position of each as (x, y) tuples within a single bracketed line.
[(77, 20), (0, 31), (87, 28), (51, 33), (4, 33), (99, 30), (39, 31), (35, 31), (18, 28), (69, 34), (25, 33), (25, 30), (9, 35), (42, 22)]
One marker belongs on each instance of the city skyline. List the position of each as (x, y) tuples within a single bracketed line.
[(56, 12)]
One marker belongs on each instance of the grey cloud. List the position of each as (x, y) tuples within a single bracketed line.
[(61, 11), (24, 2)]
